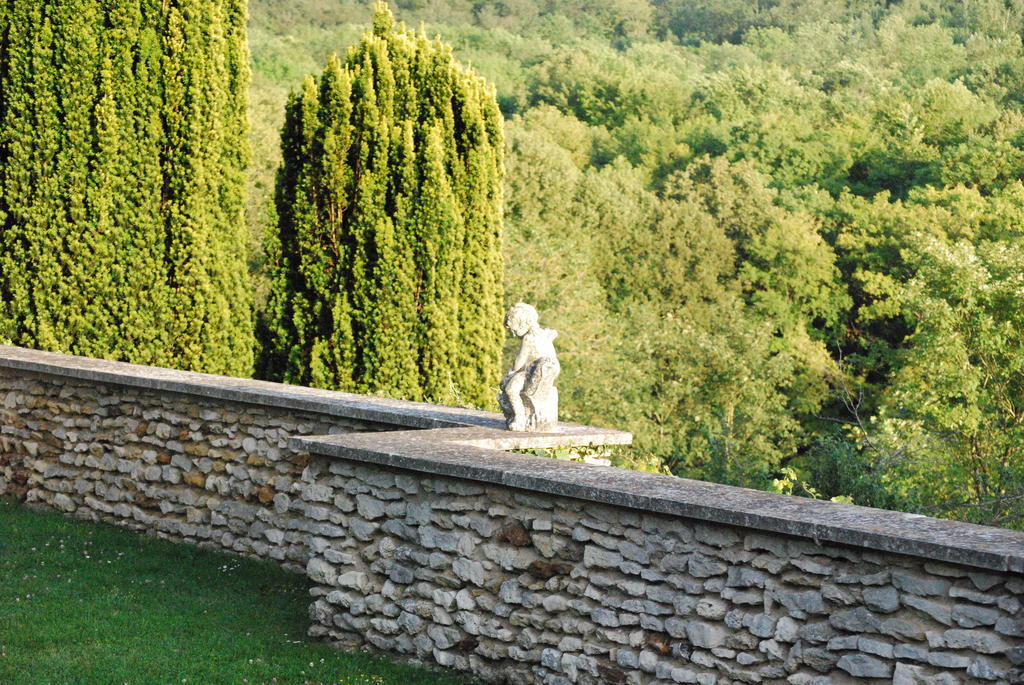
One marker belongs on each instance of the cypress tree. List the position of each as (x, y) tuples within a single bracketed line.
[(387, 274), (122, 162)]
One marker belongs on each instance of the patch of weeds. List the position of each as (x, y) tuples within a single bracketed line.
[(589, 454)]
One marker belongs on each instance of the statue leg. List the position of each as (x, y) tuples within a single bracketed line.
[(513, 393)]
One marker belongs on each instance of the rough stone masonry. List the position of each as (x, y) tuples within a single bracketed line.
[(524, 588), (436, 545)]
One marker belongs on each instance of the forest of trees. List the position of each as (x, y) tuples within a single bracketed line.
[(782, 240)]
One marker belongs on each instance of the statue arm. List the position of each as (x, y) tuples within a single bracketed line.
[(523, 358)]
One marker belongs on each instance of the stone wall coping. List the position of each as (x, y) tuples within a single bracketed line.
[(382, 410), (476, 454)]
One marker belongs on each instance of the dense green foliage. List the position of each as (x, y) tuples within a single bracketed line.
[(386, 272), (781, 240), (88, 603), (122, 169)]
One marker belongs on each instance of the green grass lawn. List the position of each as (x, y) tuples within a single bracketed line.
[(93, 604)]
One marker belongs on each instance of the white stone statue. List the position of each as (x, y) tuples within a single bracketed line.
[(528, 396)]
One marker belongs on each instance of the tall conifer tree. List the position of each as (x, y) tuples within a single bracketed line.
[(388, 268), (122, 170)]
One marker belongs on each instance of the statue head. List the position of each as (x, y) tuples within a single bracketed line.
[(521, 318)]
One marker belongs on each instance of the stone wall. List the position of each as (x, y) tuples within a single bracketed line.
[(526, 588), (189, 468), (437, 545), (194, 457)]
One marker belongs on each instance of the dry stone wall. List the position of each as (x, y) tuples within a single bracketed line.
[(435, 545), (525, 588), (201, 471)]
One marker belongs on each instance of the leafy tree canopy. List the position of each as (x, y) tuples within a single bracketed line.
[(770, 232)]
